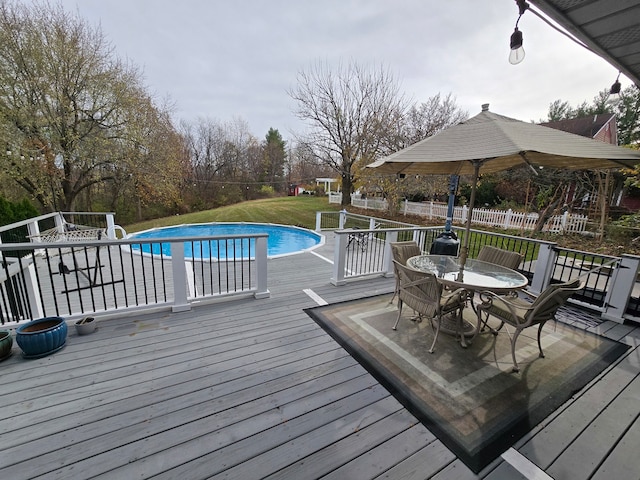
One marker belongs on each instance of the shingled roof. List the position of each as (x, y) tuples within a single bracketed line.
[(588, 126)]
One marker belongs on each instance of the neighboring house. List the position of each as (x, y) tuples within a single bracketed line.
[(602, 127)]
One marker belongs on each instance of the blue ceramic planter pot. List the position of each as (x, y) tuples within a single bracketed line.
[(6, 342), (42, 337)]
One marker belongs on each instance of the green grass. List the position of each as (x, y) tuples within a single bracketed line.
[(300, 211)]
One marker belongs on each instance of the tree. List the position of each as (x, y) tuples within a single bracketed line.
[(69, 110), (12, 212), (601, 103), (206, 140), (156, 171), (225, 161), (274, 160), (627, 109), (351, 111), (628, 114), (303, 166), (429, 118), (420, 121)]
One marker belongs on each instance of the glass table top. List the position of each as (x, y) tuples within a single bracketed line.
[(476, 275)]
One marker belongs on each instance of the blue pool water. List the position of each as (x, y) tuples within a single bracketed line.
[(282, 240)]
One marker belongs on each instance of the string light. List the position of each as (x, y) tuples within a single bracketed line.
[(516, 54)]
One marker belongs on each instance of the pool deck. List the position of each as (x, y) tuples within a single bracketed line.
[(255, 389)]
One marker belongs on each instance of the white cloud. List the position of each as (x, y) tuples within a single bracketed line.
[(225, 60)]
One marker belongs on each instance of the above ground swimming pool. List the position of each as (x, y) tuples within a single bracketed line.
[(282, 240)]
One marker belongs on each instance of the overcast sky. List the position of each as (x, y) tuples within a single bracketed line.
[(237, 59)]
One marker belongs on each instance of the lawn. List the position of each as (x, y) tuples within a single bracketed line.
[(300, 211)]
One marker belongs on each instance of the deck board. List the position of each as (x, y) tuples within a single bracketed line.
[(585, 453), (568, 423), (251, 388), (376, 459), (309, 435), (426, 462), (242, 441), (618, 464)]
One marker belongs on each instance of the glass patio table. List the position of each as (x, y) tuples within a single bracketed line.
[(475, 276)]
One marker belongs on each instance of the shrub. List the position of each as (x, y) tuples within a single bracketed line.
[(11, 212)]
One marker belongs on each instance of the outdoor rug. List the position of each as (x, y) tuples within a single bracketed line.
[(468, 397)]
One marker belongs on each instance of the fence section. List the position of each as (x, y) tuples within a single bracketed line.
[(508, 219)]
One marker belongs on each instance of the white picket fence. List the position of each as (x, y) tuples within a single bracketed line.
[(567, 222)]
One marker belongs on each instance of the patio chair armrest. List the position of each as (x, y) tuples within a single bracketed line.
[(503, 308), (459, 295), (532, 296)]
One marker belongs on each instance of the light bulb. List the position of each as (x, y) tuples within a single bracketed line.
[(516, 55), (517, 52)]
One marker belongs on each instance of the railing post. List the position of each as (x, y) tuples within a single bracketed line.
[(179, 270), (261, 268), (33, 292), (111, 226), (544, 267), (318, 222), (34, 236), (339, 259), (342, 220), (620, 288), (388, 256), (59, 219), (34, 231)]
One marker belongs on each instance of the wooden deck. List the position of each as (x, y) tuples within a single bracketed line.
[(255, 389)]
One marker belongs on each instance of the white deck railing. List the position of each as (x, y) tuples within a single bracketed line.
[(42, 279), (363, 250)]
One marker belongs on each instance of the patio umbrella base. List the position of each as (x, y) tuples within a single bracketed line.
[(450, 326), (446, 243)]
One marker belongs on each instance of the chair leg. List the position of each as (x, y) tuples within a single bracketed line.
[(395, 327), (540, 343), (515, 368), (460, 321), (395, 292), (364, 243), (496, 330), (438, 319)]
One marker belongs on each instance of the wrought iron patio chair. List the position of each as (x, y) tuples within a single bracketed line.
[(498, 256), (358, 239), (520, 313), (401, 252), (504, 258), (423, 293)]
